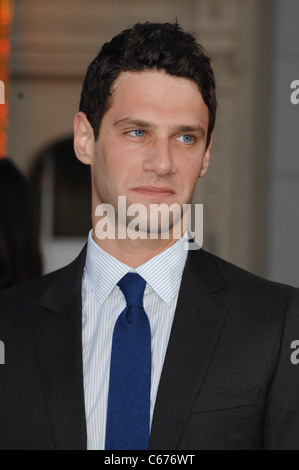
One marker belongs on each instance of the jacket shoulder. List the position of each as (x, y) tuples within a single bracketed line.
[(19, 300), (237, 287), (19, 304), (239, 276)]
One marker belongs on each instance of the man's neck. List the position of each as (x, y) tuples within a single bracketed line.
[(134, 253)]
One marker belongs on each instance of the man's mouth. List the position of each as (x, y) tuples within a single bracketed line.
[(155, 191)]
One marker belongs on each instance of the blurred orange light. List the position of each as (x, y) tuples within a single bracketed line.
[(3, 136), (4, 46), (3, 111), (5, 17), (6, 8)]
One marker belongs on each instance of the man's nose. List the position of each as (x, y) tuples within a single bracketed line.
[(159, 158)]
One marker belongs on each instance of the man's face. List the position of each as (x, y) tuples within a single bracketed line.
[(152, 141)]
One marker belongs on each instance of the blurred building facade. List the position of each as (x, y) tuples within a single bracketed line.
[(52, 45), (283, 171)]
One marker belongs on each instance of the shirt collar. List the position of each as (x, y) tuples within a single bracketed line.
[(163, 273)]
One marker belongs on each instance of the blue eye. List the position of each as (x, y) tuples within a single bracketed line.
[(186, 139), (138, 133)]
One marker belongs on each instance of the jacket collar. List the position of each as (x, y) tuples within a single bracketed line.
[(58, 339), (197, 325)]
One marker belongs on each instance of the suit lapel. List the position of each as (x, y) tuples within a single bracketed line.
[(58, 335), (197, 325)]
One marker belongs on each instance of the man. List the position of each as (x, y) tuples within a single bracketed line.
[(140, 343)]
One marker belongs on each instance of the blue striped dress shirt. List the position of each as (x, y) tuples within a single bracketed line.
[(103, 302)]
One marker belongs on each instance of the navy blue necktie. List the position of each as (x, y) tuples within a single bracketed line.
[(128, 414)]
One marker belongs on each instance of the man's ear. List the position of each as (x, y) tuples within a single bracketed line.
[(84, 142), (206, 158)]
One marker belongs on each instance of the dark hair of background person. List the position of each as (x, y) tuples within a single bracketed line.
[(164, 47), (20, 257)]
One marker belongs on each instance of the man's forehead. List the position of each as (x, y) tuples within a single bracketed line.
[(158, 78), (140, 95)]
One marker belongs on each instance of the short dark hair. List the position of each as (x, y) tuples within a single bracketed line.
[(164, 47)]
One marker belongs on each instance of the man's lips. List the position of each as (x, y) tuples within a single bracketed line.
[(154, 191)]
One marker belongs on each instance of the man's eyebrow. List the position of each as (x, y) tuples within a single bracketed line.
[(148, 125), (196, 128), (134, 122)]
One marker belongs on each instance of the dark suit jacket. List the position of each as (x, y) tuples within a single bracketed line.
[(227, 382)]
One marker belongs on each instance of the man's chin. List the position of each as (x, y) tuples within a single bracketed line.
[(153, 229)]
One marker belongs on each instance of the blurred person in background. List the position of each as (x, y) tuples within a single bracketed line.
[(20, 256)]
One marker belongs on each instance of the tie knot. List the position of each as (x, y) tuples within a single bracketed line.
[(132, 286)]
